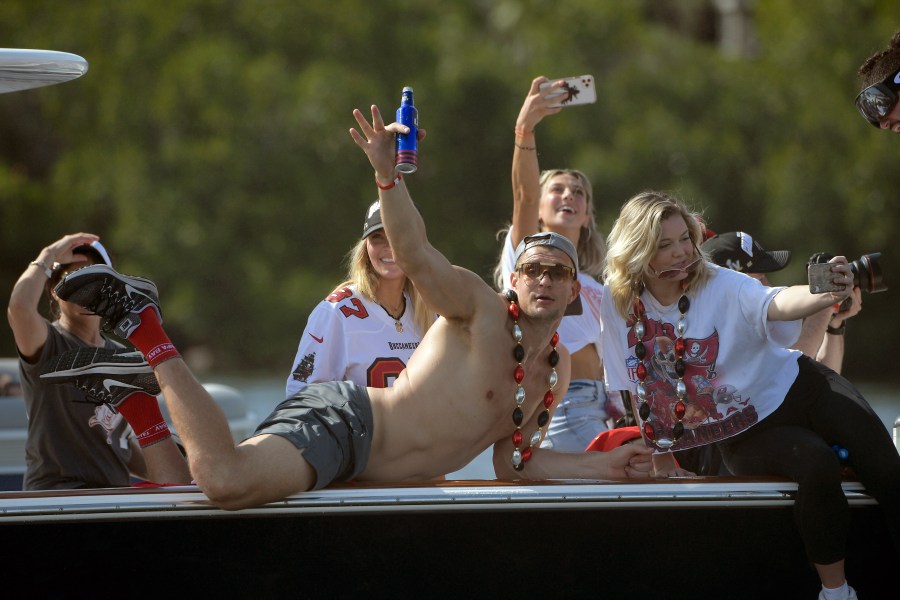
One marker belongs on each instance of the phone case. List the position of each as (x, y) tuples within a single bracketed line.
[(574, 91), (821, 278)]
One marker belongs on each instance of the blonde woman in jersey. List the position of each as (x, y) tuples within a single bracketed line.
[(561, 201), (367, 328)]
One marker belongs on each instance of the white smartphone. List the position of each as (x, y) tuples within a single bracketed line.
[(574, 91)]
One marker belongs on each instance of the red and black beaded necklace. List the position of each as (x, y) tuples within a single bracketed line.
[(522, 455), (660, 440)]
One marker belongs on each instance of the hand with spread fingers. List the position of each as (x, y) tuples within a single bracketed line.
[(377, 140)]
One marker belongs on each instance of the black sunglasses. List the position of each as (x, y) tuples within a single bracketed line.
[(876, 101)]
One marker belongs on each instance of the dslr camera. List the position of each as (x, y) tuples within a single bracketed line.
[(866, 271)]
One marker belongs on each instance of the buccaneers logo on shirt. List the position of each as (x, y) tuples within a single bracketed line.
[(305, 368), (700, 363), (108, 419)]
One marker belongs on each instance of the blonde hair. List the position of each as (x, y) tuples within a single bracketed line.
[(633, 244), (591, 246), (361, 274)]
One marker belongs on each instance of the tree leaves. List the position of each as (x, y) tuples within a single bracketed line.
[(208, 145)]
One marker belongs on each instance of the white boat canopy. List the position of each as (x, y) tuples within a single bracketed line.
[(22, 69)]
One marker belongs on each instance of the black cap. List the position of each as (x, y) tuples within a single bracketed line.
[(738, 251), (373, 220), (96, 251)]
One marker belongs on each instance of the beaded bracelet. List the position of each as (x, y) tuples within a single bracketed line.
[(391, 184), (521, 147)]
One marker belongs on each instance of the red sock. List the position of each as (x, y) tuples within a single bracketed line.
[(151, 340), (141, 410)]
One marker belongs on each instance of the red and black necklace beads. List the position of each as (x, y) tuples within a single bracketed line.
[(660, 440), (522, 455)]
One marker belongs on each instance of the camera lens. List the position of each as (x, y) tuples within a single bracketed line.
[(867, 273)]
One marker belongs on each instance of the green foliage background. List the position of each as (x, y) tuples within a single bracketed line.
[(207, 144)]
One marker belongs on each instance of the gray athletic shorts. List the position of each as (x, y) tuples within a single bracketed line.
[(332, 423)]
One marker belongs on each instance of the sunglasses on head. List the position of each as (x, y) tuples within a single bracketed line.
[(877, 101), (536, 270)]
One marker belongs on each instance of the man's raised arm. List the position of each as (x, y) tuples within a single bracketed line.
[(446, 289)]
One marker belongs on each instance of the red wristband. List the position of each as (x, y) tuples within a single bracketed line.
[(391, 184)]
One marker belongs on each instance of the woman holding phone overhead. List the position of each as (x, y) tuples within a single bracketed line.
[(561, 201)]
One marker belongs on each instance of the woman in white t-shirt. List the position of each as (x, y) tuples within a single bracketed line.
[(366, 330), (561, 201), (693, 343)]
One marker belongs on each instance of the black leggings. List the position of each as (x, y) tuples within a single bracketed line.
[(821, 409)]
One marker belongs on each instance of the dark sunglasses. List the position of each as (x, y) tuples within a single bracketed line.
[(876, 101), (556, 271)]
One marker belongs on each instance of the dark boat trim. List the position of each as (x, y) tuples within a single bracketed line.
[(697, 538)]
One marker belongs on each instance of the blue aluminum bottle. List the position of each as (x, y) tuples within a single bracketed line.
[(408, 143)]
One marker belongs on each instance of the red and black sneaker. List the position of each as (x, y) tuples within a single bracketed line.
[(117, 298)]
